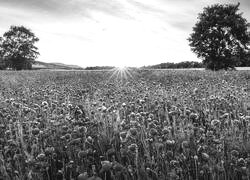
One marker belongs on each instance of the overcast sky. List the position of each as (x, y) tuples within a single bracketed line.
[(110, 32)]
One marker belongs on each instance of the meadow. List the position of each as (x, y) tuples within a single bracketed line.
[(125, 125)]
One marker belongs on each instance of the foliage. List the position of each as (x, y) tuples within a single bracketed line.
[(17, 48), (220, 37), (2, 64), (155, 125), (245, 62)]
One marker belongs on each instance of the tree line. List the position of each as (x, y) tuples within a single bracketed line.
[(180, 65), (99, 67)]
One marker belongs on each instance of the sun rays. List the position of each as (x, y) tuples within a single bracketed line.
[(121, 73)]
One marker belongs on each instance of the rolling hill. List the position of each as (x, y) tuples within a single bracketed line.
[(43, 65)]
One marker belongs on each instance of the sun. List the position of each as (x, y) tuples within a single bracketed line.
[(121, 73), (121, 68)]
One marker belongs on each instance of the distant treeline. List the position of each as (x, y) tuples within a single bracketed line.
[(180, 65), (193, 64), (99, 68)]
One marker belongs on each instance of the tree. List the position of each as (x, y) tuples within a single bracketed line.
[(245, 62), (220, 37), (17, 48)]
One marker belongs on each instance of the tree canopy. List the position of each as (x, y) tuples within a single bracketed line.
[(17, 48), (220, 37)]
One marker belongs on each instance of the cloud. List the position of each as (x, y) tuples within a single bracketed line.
[(66, 8), (147, 8), (48, 6), (110, 32)]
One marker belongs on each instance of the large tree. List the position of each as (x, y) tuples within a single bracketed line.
[(220, 37), (17, 48)]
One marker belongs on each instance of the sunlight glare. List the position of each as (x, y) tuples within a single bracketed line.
[(121, 68), (121, 73)]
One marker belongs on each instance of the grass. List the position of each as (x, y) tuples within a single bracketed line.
[(140, 124)]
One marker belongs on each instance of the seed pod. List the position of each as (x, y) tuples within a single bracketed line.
[(82, 129), (132, 147), (41, 157), (90, 139), (35, 131), (234, 153), (153, 132), (165, 130), (241, 162), (117, 167), (170, 142), (111, 152), (215, 122), (133, 131), (152, 125), (65, 128), (184, 144), (82, 154), (205, 156), (106, 165), (83, 176), (169, 154), (67, 136), (193, 116)]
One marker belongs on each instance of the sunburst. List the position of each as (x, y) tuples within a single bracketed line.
[(121, 73)]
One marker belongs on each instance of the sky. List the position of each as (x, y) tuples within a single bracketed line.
[(110, 32)]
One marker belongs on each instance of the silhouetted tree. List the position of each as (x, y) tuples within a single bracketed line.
[(220, 37), (2, 64), (245, 62), (17, 48)]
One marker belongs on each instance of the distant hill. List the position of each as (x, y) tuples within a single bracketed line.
[(43, 65)]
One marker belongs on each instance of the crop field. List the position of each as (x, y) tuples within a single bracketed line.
[(124, 125)]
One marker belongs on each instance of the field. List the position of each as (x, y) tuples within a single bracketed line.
[(124, 125)]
